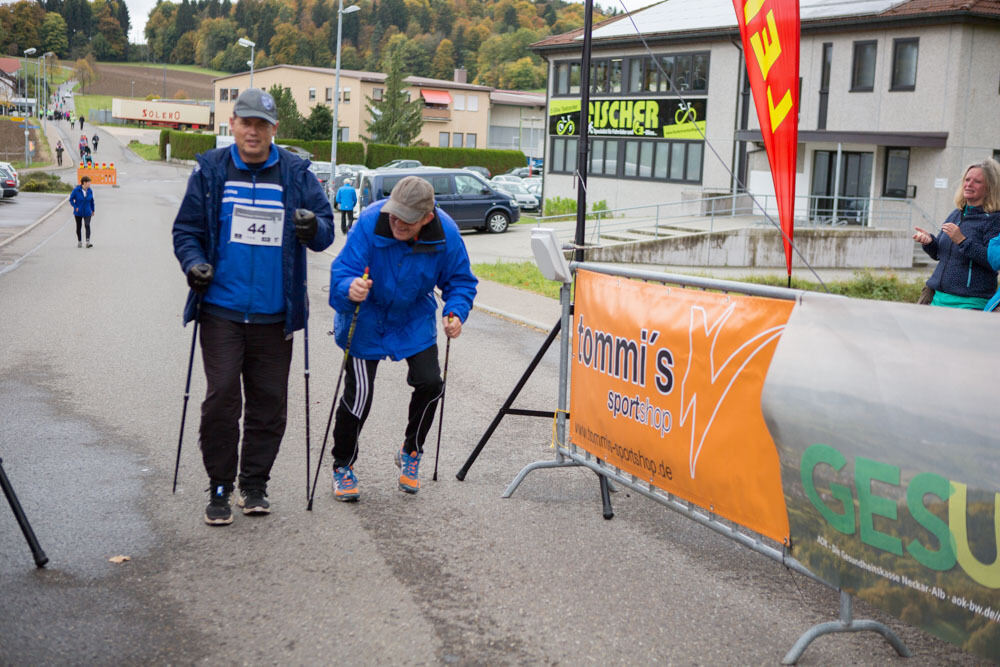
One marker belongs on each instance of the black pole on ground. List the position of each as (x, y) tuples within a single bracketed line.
[(36, 550), (506, 409)]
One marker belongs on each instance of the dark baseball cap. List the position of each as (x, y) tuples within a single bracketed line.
[(255, 103), (410, 200)]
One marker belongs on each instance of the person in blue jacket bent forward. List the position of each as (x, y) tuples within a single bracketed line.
[(409, 246), (82, 201), (249, 213)]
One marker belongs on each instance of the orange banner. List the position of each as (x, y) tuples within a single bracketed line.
[(770, 32), (102, 174), (666, 385)]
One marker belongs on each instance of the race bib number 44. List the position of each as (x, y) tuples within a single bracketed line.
[(257, 226)]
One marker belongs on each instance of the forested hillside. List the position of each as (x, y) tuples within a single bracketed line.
[(486, 37)]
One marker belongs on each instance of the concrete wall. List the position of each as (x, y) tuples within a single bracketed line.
[(826, 248)]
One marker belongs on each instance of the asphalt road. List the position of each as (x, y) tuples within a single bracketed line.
[(92, 371)]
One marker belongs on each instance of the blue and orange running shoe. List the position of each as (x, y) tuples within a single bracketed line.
[(345, 485), (408, 466)]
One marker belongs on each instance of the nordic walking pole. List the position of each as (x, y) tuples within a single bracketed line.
[(187, 390), (306, 373), (444, 386), (15, 505), (336, 391)]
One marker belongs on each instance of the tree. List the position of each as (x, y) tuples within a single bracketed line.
[(183, 53), (83, 72), (443, 65), (522, 75), (53, 34), (319, 125), (214, 36), (289, 120), (394, 119), (25, 19)]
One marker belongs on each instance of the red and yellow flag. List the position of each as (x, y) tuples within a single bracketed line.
[(770, 32)]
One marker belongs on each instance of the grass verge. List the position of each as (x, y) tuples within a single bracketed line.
[(865, 284), (84, 103), (180, 68), (145, 151)]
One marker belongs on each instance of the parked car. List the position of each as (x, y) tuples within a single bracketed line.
[(401, 164), (322, 171), (9, 167), (534, 186), (482, 171), (525, 200), (464, 195), (510, 178), (297, 150), (523, 172), (9, 183)]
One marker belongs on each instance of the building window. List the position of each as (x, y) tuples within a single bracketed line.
[(443, 139), (234, 93), (897, 172), (904, 64), (456, 140), (863, 69), (223, 94), (329, 94), (567, 79), (312, 94), (473, 103), (564, 155), (345, 95), (377, 94), (459, 101), (470, 140)]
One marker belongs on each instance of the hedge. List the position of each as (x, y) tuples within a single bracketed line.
[(185, 145), (496, 161), (348, 152)]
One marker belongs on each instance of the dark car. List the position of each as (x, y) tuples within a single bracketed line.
[(9, 183), (525, 172), (464, 195)]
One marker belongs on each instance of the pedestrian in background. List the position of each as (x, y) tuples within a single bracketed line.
[(410, 246), (964, 276), (346, 200), (82, 201), (59, 152), (81, 122), (95, 140), (250, 211)]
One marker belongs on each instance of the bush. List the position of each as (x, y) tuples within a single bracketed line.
[(40, 181), (496, 161), (348, 152), (185, 145), (567, 206)]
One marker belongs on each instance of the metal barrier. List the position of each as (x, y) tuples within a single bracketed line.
[(569, 455)]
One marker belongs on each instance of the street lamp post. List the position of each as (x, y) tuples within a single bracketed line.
[(243, 41), (132, 94), (27, 153), (336, 101)]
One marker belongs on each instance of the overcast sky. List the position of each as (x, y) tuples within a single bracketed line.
[(138, 11)]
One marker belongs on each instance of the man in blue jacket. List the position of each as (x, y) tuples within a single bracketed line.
[(249, 212), (346, 200), (408, 246)]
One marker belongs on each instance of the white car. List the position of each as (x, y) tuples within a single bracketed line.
[(525, 200), (10, 168)]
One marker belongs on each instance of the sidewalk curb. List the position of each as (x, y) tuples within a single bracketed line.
[(64, 202), (517, 319)]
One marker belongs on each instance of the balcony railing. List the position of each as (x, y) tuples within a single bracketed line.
[(437, 115)]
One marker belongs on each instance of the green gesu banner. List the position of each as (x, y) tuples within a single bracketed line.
[(650, 118), (888, 438)]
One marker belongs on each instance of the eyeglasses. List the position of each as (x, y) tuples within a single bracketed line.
[(393, 218)]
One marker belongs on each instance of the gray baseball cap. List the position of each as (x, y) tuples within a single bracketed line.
[(255, 103), (411, 200)]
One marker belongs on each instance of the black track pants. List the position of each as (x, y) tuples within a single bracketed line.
[(424, 376), (259, 355)]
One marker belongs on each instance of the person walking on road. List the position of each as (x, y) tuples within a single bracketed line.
[(249, 213), (94, 141), (346, 200), (59, 152), (81, 123), (410, 246), (82, 201)]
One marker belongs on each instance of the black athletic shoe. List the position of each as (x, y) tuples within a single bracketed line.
[(218, 512), (254, 501)]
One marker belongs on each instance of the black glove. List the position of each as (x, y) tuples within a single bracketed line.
[(200, 276), (305, 224)]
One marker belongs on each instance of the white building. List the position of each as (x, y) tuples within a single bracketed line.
[(897, 96)]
